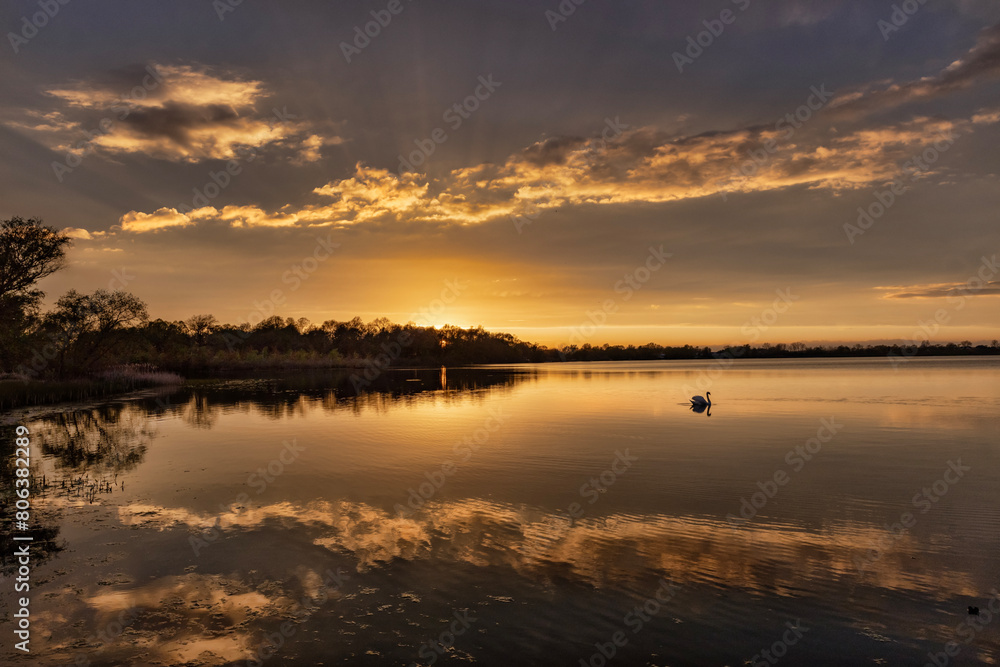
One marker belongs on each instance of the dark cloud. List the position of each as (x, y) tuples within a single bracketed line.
[(938, 291), (552, 151), (174, 120), (981, 62), (180, 113)]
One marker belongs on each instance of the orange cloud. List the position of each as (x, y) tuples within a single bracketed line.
[(161, 219), (639, 166), (202, 142), (81, 234), (197, 86), (180, 113)]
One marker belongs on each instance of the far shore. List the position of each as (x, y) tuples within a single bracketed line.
[(19, 392)]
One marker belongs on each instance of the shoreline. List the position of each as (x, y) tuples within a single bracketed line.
[(96, 391)]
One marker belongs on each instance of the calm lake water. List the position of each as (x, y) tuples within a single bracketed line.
[(528, 515)]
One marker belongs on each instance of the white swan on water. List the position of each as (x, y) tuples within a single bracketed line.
[(701, 400)]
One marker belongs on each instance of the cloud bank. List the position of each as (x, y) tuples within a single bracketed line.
[(178, 113)]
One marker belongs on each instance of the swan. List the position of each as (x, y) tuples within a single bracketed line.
[(700, 400)]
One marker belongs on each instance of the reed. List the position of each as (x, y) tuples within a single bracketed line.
[(18, 392)]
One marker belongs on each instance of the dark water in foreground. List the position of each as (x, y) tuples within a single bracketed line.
[(282, 519)]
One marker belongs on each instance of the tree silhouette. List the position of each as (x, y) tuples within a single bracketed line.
[(83, 326), (29, 251)]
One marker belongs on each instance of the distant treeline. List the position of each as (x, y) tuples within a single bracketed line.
[(202, 343), (768, 351), (86, 335), (57, 348)]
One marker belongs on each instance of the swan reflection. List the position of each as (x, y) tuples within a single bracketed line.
[(699, 408)]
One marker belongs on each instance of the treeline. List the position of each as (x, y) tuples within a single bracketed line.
[(201, 342), (86, 335), (652, 351), (90, 333)]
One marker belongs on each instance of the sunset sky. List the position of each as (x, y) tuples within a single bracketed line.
[(596, 162)]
